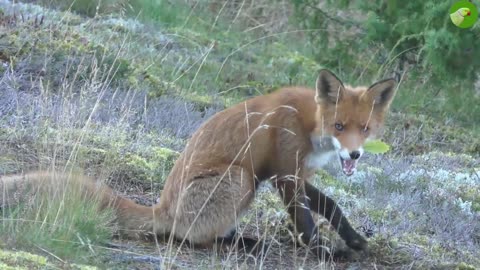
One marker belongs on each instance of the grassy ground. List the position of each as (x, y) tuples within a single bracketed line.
[(119, 97)]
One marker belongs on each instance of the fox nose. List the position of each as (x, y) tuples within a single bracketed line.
[(355, 154)]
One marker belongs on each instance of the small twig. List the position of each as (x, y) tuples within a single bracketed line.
[(51, 254), (336, 19)]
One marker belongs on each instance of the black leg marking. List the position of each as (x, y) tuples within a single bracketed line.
[(296, 201), (327, 207), (249, 245)]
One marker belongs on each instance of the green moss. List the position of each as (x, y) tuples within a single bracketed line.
[(425, 134), (436, 250), (201, 102), (385, 182), (139, 168), (98, 149), (91, 155), (165, 157), (152, 165), (389, 251), (20, 260), (464, 266), (324, 179), (471, 194), (387, 213), (6, 267), (377, 215), (268, 201)]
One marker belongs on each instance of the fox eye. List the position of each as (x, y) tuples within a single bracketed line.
[(339, 126)]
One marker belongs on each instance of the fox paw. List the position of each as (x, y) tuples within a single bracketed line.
[(357, 243), (326, 254)]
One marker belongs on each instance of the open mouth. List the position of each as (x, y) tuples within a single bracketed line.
[(349, 166)]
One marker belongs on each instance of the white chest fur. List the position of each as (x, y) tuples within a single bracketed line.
[(324, 149), (318, 160)]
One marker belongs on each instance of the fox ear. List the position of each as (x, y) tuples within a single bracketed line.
[(382, 92), (328, 87)]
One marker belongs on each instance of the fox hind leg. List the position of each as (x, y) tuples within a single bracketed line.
[(210, 206)]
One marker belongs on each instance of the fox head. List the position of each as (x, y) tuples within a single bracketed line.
[(348, 116)]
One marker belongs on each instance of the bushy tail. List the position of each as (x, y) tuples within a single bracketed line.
[(133, 220)]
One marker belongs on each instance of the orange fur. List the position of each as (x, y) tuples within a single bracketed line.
[(266, 137)]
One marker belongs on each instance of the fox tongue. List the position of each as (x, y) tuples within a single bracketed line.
[(349, 166)]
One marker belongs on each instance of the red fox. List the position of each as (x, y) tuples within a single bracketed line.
[(280, 137)]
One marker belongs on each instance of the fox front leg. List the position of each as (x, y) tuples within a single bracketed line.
[(326, 206), (294, 197)]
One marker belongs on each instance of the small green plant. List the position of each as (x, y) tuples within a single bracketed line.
[(376, 147)]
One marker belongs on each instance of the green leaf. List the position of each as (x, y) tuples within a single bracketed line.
[(376, 147)]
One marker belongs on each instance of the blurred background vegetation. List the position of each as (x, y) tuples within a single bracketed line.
[(362, 41), (374, 39)]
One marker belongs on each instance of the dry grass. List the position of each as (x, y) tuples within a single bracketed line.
[(86, 116)]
